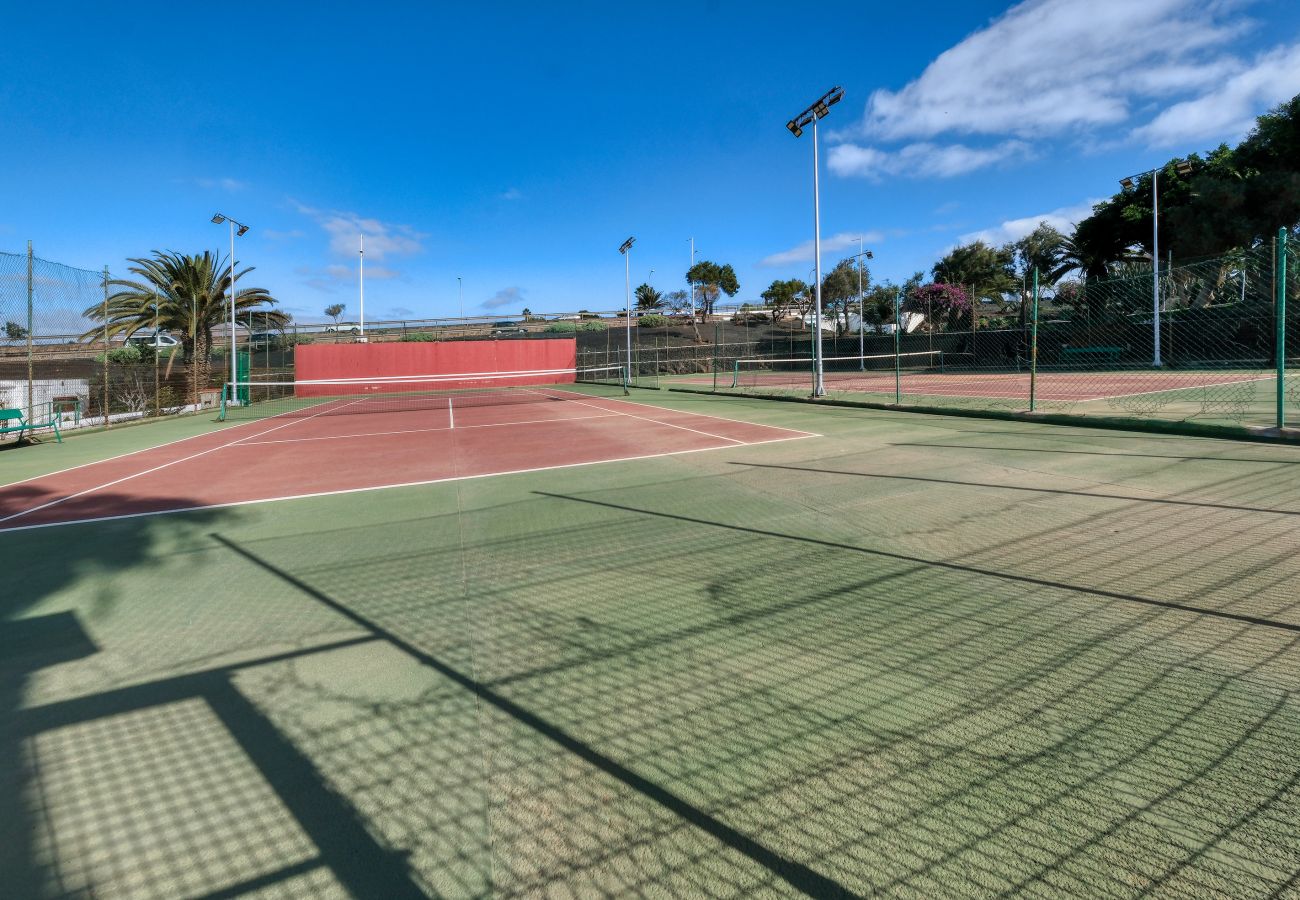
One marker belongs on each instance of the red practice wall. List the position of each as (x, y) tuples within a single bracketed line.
[(313, 362)]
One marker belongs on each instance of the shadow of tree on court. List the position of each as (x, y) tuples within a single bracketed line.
[(124, 736)]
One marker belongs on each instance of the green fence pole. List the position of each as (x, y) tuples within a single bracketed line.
[(105, 395), (1280, 314), (716, 328), (898, 327), (1033, 350), (31, 325)]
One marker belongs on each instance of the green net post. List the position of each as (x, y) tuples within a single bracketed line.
[(1033, 350), (241, 376), (31, 326), (1280, 329), (898, 327), (716, 332)]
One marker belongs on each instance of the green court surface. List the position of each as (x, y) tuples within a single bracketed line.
[(913, 656)]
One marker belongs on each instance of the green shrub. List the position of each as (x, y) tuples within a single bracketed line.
[(562, 327), (592, 326), (418, 337), (652, 320), (127, 354)]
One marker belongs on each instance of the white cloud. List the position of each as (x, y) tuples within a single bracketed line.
[(1054, 69), (1049, 65), (382, 238), (1063, 219), (1229, 110), (508, 296), (512, 194), (804, 252), (224, 184), (923, 160)]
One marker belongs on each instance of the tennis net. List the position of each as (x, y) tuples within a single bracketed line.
[(411, 393), (764, 372)]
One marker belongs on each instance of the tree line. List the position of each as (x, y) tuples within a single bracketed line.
[(1221, 204)]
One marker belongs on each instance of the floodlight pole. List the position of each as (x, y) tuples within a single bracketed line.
[(234, 371), (362, 287), (1155, 267), (862, 341), (626, 250), (1184, 167), (460, 296), (809, 116)]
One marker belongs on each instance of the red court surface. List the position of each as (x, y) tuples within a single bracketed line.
[(332, 449), (1062, 386)]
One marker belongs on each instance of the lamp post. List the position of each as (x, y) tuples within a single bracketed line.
[(862, 341), (361, 286), (460, 297), (690, 285), (243, 229), (819, 110), (625, 248), (1128, 183)]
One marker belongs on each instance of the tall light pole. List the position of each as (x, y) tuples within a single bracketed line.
[(862, 341), (625, 248), (819, 110), (1128, 183), (243, 230), (362, 287), (460, 298), (690, 285)]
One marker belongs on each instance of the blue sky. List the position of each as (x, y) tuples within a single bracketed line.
[(517, 145)]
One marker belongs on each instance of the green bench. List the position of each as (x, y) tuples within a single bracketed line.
[(1102, 354), (27, 425)]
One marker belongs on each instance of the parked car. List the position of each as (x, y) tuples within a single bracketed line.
[(264, 340), (501, 329), (345, 328), (157, 340)]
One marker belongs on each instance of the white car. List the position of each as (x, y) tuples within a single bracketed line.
[(158, 341), (345, 328)]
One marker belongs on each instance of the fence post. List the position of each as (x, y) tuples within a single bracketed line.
[(716, 332), (1280, 329), (1033, 350), (898, 327), (105, 395), (31, 375)]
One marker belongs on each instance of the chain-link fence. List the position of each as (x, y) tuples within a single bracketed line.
[(57, 361), (1206, 342)]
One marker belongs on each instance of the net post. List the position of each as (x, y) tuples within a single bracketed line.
[(898, 327), (105, 393), (1279, 313), (735, 373), (31, 374), (714, 367), (1033, 350)]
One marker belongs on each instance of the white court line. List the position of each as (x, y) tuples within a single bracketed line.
[(385, 487), (165, 465), (1187, 387), (369, 434), (686, 412), (656, 422), (150, 449)]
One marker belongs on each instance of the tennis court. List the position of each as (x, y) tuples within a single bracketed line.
[(660, 644)]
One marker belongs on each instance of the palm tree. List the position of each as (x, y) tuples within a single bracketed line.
[(192, 297)]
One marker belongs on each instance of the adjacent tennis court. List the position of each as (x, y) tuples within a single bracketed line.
[(400, 639)]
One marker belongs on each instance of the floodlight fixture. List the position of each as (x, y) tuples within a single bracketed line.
[(218, 219), (1184, 167), (627, 245), (241, 231), (794, 128), (1126, 183)]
